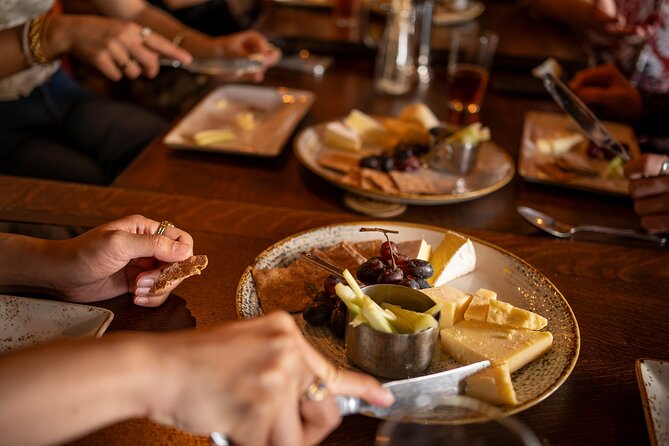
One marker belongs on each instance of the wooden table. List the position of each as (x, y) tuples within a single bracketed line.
[(236, 207), (617, 292)]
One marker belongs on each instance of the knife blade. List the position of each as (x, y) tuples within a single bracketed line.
[(408, 391), (583, 116)]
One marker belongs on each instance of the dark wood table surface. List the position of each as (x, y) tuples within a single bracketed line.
[(235, 207)]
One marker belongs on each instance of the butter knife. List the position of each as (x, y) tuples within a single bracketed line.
[(408, 391), (583, 116)]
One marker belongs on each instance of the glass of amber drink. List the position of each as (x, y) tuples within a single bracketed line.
[(469, 61)]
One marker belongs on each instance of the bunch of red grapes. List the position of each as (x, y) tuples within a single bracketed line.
[(390, 267), (404, 157), (395, 268)]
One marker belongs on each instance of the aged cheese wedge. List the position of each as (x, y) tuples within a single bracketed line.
[(478, 308), (415, 249), (503, 313), (454, 257), (362, 123), (471, 341), (339, 136), (454, 303), (492, 385), (558, 142), (420, 113)]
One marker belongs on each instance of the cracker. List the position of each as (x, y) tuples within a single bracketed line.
[(368, 249), (381, 179), (412, 183), (338, 162), (179, 270)]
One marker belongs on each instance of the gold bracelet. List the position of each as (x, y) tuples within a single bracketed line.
[(35, 39)]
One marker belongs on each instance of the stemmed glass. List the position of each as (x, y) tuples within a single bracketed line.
[(454, 420)]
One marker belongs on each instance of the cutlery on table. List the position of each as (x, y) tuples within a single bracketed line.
[(563, 230), (408, 392), (217, 66)]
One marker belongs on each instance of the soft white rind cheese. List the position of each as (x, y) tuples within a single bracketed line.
[(492, 385), (561, 141), (420, 113), (479, 306), (454, 257), (503, 313), (415, 249), (454, 303), (471, 341), (339, 136)]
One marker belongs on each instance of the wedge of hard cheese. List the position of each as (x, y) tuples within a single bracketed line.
[(471, 341), (492, 385), (454, 257), (503, 313), (415, 249), (338, 136), (453, 303), (479, 306)]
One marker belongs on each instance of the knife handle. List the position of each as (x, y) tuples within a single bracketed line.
[(347, 405)]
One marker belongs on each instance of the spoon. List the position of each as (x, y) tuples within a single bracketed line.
[(217, 66), (563, 230)]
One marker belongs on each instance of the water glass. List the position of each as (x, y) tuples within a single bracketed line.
[(474, 423), (469, 61)]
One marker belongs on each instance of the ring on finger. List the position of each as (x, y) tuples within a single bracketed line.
[(145, 33), (317, 390), (664, 167), (163, 226)]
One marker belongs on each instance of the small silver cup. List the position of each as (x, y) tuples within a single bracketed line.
[(390, 355), (455, 158)]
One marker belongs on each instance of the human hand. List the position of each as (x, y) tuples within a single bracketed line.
[(650, 191), (115, 258), (608, 93), (247, 380), (116, 47)]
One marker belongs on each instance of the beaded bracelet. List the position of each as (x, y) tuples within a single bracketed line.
[(35, 39)]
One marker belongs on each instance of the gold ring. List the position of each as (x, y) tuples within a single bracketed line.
[(317, 390), (128, 63), (145, 33), (163, 226)]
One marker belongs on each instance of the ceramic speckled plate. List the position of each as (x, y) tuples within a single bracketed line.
[(653, 378), (25, 322), (512, 278), (493, 170)]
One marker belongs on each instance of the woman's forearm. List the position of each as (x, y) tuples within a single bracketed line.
[(23, 260), (59, 392), (13, 58)]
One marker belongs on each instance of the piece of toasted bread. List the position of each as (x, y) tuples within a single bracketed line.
[(179, 270)]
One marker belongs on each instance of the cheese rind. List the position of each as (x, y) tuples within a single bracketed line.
[(492, 385), (415, 249), (503, 313), (471, 341), (559, 142), (454, 257), (454, 303), (339, 136), (479, 306)]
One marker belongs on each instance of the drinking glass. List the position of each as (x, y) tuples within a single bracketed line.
[(474, 423), (469, 61)]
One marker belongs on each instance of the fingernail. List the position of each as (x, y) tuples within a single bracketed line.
[(141, 300), (145, 282), (142, 291), (388, 396)]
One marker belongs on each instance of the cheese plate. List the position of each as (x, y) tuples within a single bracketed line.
[(493, 170), (26, 322), (246, 120), (653, 378), (583, 172), (515, 281)]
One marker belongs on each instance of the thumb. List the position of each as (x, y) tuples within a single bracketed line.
[(160, 247)]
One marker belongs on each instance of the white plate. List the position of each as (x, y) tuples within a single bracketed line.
[(513, 279), (653, 378), (529, 159), (444, 16), (276, 112), (493, 170), (25, 322)]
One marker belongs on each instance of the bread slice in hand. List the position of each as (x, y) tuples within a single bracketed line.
[(179, 270)]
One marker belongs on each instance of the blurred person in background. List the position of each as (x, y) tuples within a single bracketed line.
[(213, 17), (52, 127)]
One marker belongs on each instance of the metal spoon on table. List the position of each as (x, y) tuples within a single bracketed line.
[(563, 230), (217, 66)]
